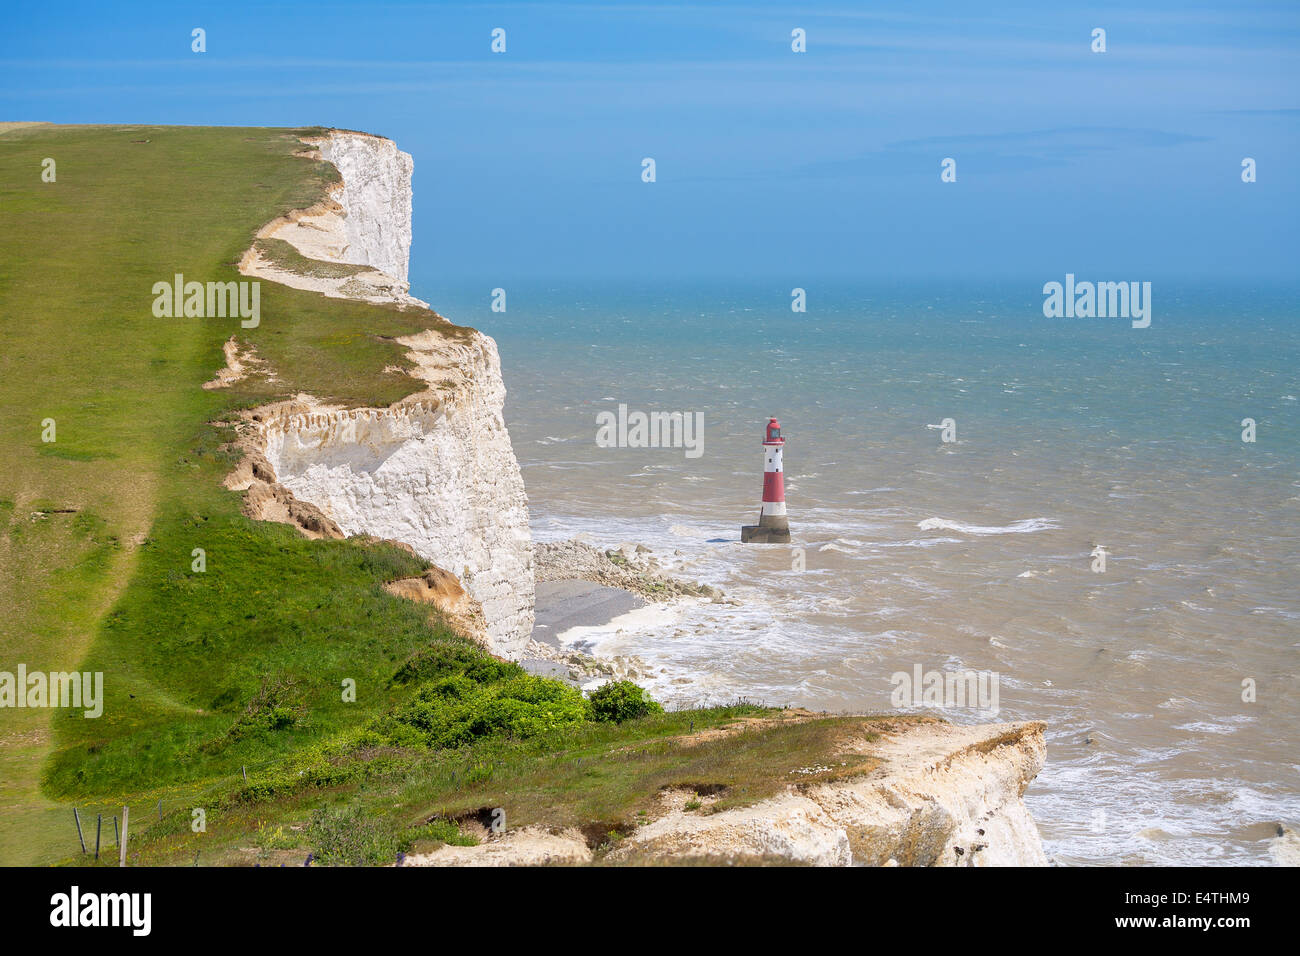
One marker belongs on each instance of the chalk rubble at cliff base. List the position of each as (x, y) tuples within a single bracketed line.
[(630, 567)]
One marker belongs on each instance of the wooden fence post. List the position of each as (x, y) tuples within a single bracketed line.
[(99, 825), (77, 816), (121, 859)]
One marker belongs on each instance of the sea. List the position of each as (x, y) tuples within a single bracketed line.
[(1068, 506)]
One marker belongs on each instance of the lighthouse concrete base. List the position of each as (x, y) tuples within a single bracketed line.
[(771, 529)]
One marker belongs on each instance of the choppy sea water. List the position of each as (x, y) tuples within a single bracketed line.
[(976, 554)]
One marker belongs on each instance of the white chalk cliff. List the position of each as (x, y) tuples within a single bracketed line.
[(435, 470), (376, 198), (942, 796)]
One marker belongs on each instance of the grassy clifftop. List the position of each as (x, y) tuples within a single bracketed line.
[(241, 663), (105, 517)]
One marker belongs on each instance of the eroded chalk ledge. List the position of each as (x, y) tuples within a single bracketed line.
[(941, 795), (434, 471)]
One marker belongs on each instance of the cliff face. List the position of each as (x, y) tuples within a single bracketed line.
[(436, 470), (440, 477), (376, 198), (940, 796)]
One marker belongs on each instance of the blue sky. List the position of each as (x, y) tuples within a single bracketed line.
[(770, 163)]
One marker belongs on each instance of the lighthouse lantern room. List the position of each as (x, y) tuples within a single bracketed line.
[(773, 527)]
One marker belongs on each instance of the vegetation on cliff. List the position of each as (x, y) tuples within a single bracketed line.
[(99, 525)]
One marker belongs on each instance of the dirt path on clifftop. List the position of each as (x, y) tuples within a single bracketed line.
[(88, 365)]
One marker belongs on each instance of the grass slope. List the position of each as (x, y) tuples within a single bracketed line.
[(132, 458)]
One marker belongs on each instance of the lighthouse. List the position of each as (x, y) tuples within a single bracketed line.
[(772, 527)]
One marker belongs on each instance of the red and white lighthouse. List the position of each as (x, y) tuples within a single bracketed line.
[(773, 527)]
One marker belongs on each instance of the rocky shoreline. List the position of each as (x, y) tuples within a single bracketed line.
[(632, 568)]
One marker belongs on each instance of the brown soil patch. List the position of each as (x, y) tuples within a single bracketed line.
[(444, 591)]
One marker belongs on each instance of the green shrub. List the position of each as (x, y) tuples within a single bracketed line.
[(461, 708), (444, 658), (622, 700)]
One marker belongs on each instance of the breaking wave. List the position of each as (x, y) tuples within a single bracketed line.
[(1016, 527)]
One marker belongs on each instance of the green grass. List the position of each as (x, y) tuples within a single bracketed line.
[(135, 459), (603, 779), (284, 256)]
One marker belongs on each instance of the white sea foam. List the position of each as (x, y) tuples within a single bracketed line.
[(687, 531), (651, 617), (1225, 725), (920, 543), (841, 545), (1024, 526)]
